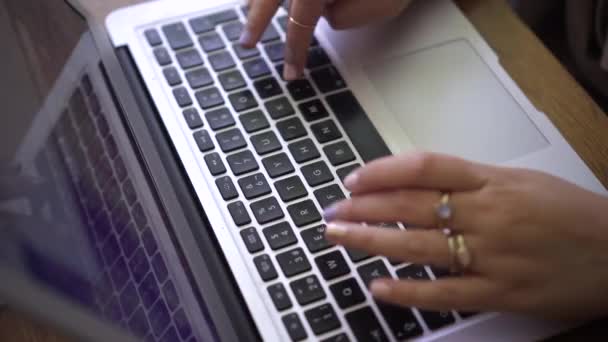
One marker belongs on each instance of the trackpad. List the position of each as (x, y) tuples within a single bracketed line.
[(446, 99)]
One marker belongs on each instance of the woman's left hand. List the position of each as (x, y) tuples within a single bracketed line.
[(539, 244)]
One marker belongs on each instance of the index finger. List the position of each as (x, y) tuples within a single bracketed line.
[(303, 17), (258, 19)]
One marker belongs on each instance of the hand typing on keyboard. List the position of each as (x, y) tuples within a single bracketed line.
[(519, 241), (303, 17)]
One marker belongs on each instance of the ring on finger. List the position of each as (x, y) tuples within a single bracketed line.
[(461, 258), (444, 211), (297, 23)]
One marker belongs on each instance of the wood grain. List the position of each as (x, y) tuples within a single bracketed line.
[(547, 83)]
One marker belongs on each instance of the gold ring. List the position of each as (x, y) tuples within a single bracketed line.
[(453, 257), (297, 23), (444, 211), (461, 258)]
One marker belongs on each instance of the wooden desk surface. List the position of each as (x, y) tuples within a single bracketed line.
[(545, 81)]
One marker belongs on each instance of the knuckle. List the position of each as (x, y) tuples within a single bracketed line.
[(421, 163)]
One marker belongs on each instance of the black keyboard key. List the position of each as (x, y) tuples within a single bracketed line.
[(328, 79), (339, 153), (182, 97), (326, 131), (356, 255), (300, 89), (177, 36), (437, 319), (203, 140), (365, 325), (239, 213), (401, 321), (254, 186), (162, 56), (189, 59), (373, 270), (220, 118), (278, 165), (267, 87), (153, 37), (283, 22), (199, 78), (244, 53), (316, 58), (221, 61), (172, 76), (304, 213), (280, 235), (243, 100), (304, 150), (139, 265), (337, 338), (413, 272), (358, 127), (347, 170), (317, 173), (265, 143), (256, 68), (267, 210), (347, 293), (265, 267), (159, 317), (294, 327), (209, 98), (332, 265), (227, 188), (232, 80), (276, 51), (314, 238), (254, 121), (171, 295), (290, 188), (291, 129), (215, 164), (242, 162), (329, 195), (223, 16), (201, 25), (313, 110), (307, 290), (269, 34), (233, 30), (467, 315), (293, 262), (231, 140), (211, 42), (279, 108), (192, 118), (322, 319), (440, 272), (279, 297), (252, 240)]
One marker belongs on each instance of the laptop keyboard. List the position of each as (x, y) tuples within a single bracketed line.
[(278, 152), (135, 288)]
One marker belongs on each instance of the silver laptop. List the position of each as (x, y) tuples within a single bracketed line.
[(188, 177)]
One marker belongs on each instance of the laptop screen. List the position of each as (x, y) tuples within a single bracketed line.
[(75, 213)]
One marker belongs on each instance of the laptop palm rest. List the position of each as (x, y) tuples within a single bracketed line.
[(446, 99)]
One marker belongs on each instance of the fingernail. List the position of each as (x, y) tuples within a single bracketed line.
[(245, 38), (351, 180), (335, 230), (290, 72), (330, 213), (380, 288)]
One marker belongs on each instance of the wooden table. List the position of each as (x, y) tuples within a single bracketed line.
[(545, 81)]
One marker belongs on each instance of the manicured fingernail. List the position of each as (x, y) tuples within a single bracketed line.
[(351, 180), (330, 213), (290, 72), (335, 230), (246, 38), (380, 288)]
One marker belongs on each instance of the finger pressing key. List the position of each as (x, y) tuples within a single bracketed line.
[(260, 15), (303, 17)]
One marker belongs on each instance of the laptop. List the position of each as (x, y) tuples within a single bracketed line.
[(169, 184)]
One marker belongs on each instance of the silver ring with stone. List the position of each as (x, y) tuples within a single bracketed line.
[(444, 211)]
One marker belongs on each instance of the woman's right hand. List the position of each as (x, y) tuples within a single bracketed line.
[(341, 14)]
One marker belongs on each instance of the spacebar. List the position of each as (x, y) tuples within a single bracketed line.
[(357, 125)]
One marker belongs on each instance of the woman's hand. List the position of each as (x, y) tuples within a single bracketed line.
[(539, 244), (341, 14)]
